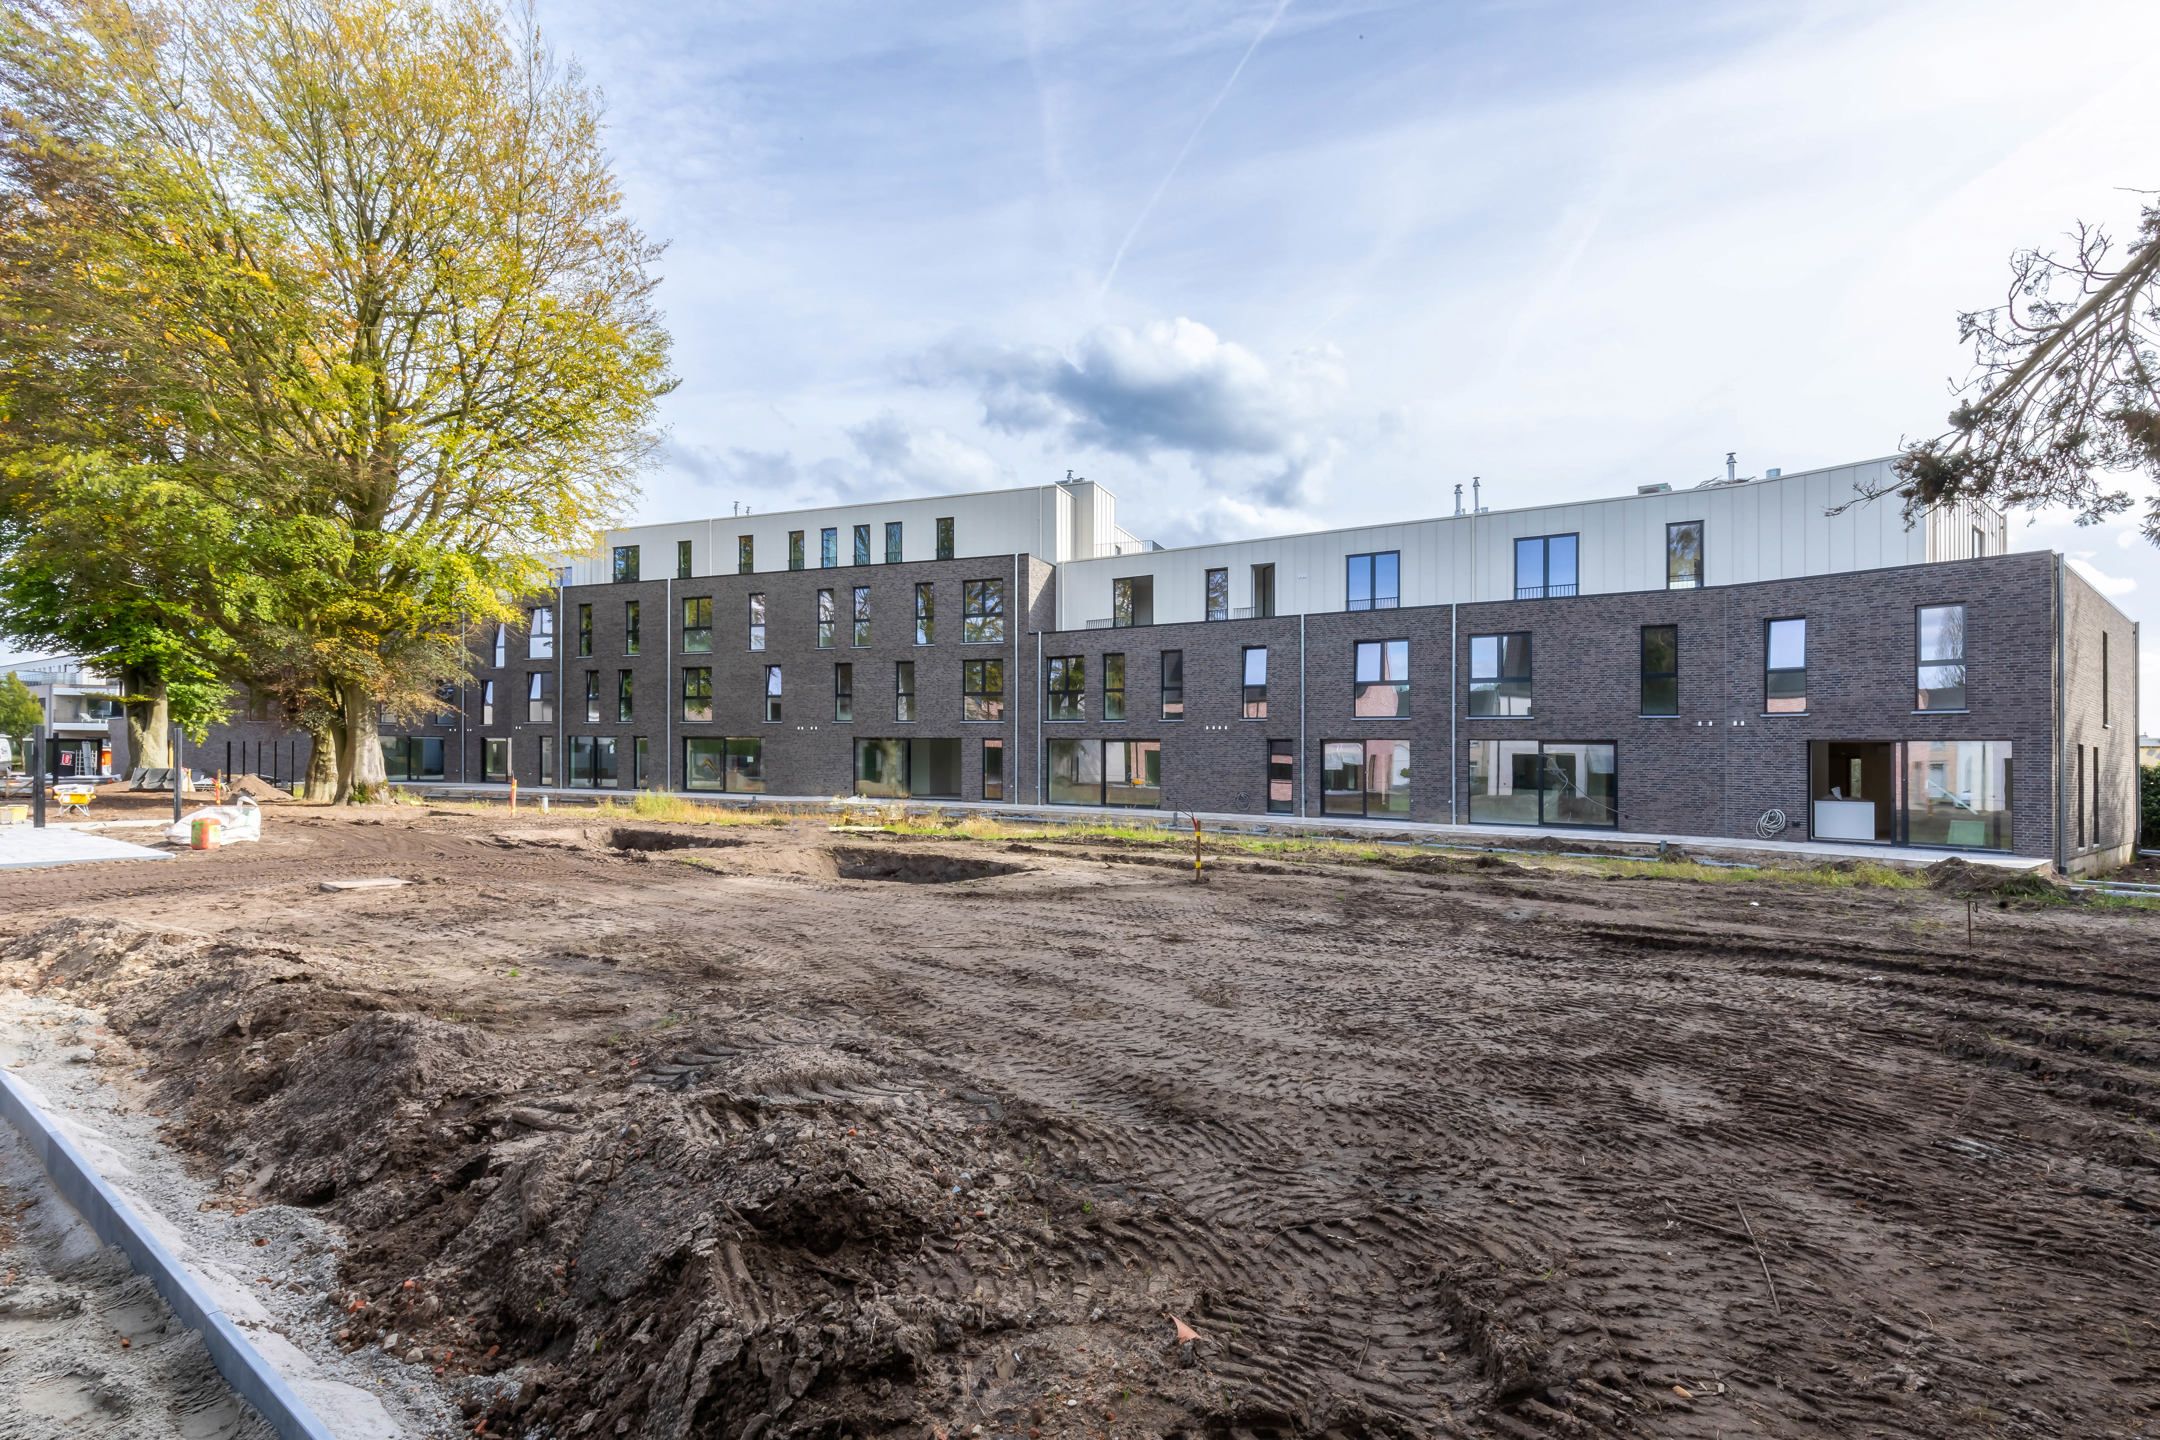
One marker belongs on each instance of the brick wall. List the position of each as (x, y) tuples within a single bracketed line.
[(2099, 718)]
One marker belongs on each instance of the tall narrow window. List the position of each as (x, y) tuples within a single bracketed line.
[(592, 697), (1979, 543), (1500, 674), (1218, 594), (682, 560), (945, 538), (1281, 777), (626, 564), (903, 683), (1660, 670), (828, 547), (2107, 717), (630, 627), (539, 703), (825, 619), (982, 690), (1066, 683), (1382, 679), (697, 693), (1544, 566), (2078, 789), (794, 549), (982, 612), (862, 544), (772, 692), (1173, 684), (697, 625), (843, 689), (584, 630), (502, 645), (546, 759), (892, 542), (487, 703), (925, 613), (1255, 682), (757, 620), (1684, 555), (540, 634), (1132, 600), (1263, 591), (745, 554), (1940, 677), (1785, 667), (625, 697), (1374, 581), (862, 615), (1113, 687), (993, 770)]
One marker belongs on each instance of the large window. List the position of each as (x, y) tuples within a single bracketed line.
[(1544, 566), (1065, 683), (697, 694), (1173, 685), (733, 763), (1125, 773), (1218, 594), (1113, 687), (862, 544), (1550, 782), (982, 612), (625, 697), (862, 615), (825, 619), (1383, 678), (982, 689), (1958, 793), (993, 770), (1365, 777), (828, 547), (495, 759), (1940, 632), (1374, 582), (1683, 555), (1660, 670), (772, 692), (1785, 667), (1500, 674), (921, 769), (944, 538), (630, 627), (843, 687), (412, 757), (539, 698), (697, 625), (745, 554), (925, 613), (592, 761), (592, 697), (1132, 601), (794, 549), (1281, 777), (584, 630), (682, 559), (757, 621), (903, 672), (626, 564), (540, 634), (892, 542), (1255, 695)]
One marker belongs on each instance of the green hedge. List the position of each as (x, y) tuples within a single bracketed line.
[(2149, 805)]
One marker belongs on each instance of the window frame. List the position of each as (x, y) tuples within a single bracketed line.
[(795, 553), (540, 698), (487, 703), (1922, 664), (592, 697), (1502, 677), (1113, 701), (843, 692), (828, 617), (633, 620), (945, 537), (977, 618), (746, 554), (1124, 611), (625, 697), (697, 638), (684, 569), (1768, 629), (1168, 690), (624, 565), (828, 547), (1215, 593), (1541, 748), (1365, 746), (540, 633), (1373, 599), (859, 617), (905, 709), (1702, 552), (925, 612), (1252, 709), (695, 692), (1102, 800), (1644, 675), (893, 545), (584, 629), (1545, 589), (979, 703), (993, 745), (755, 619), (1064, 688), (1401, 687), (775, 693), (859, 543)]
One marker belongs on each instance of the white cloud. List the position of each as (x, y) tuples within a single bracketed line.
[(2112, 586)]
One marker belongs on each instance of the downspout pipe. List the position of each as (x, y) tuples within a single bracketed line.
[(2062, 847), (1302, 769), (668, 699)]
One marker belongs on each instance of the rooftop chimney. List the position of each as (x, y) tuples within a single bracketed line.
[(1732, 467)]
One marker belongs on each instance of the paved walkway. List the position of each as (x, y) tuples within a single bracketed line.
[(1484, 837), (24, 847)]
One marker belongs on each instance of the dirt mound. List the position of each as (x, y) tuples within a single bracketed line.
[(1966, 881), (256, 788)]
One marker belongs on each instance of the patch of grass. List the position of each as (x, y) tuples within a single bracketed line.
[(667, 809), (1864, 875)]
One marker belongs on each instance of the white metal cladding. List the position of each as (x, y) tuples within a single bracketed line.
[(1056, 522), (1765, 529)]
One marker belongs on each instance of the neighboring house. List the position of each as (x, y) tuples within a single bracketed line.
[(82, 713), (1722, 660), (2148, 750)]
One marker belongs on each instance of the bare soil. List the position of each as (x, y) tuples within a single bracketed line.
[(764, 1132)]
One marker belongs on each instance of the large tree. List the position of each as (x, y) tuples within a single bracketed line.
[(359, 281), (2063, 402)]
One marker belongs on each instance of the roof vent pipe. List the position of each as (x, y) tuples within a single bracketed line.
[(1732, 466)]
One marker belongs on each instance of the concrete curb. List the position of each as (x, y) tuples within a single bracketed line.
[(115, 1222)]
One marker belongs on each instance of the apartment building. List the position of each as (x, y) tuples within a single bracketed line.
[(1749, 658)]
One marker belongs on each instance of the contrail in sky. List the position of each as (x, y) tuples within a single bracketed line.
[(1185, 149)]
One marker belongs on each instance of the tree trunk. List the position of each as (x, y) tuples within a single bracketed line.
[(149, 728), (360, 762), (322, 767)]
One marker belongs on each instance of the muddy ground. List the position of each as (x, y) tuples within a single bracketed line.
[(802, 1134)]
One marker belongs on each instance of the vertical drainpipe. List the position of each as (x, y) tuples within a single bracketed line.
[(2062, 851), (667, 687), (562, 694), (1300, 768), (1012, 761), (1035, 700), (1453, 749)]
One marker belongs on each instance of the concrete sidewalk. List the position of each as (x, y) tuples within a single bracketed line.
[(1480, 837), (24, 847)]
